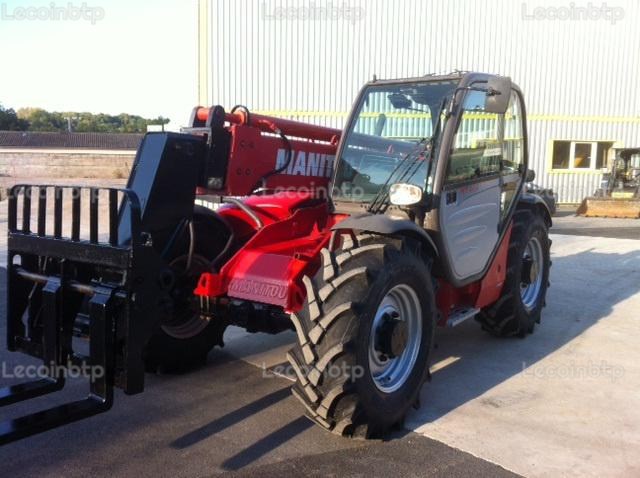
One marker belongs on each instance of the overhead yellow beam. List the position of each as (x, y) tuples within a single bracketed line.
[(530, 117)]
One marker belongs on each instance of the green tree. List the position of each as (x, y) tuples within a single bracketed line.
[(9, 120), (42, 120), (84, 122)]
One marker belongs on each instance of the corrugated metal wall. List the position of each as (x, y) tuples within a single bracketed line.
[(307, 59)]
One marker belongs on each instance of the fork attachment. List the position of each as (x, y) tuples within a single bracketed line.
[(104, 281)]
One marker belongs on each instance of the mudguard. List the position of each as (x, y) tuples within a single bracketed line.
[(383, 224), (528, 199)]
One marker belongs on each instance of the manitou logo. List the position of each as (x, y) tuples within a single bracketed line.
[(306, 164), (255, 288)]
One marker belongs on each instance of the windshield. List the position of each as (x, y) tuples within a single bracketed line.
[(391, 122)]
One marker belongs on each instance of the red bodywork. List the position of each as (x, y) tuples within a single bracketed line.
[(478, 294), (257, 149), (269, 266)]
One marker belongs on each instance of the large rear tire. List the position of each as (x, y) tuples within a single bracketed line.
[(527, 279), (184, 338), (364, 337)]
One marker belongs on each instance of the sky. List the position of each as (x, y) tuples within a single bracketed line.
[(136, 57)]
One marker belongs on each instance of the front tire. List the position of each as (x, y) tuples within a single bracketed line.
[(364, 337)]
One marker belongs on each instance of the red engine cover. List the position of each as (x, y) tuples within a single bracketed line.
[(269, 267)]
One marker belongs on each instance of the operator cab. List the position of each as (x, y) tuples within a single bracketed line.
[(446, 153), (391, 121)]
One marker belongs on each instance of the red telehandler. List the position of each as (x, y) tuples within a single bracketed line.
[(362, 241)]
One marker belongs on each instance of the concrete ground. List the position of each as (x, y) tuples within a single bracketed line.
[(564, 401), (566, 222)]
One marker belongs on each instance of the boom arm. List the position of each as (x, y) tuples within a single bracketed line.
[(248, 151)]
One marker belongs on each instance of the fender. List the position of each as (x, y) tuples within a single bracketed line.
[(531, 201), (383, 224)]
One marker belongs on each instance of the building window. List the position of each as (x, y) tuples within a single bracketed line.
[(580, 155)]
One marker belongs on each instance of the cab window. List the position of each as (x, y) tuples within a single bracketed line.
[(513, 137), (476, 151)]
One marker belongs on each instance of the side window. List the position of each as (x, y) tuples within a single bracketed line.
[(476, 151), (513, 137), (513, 152)]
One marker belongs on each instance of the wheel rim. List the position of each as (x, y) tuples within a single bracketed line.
[(186, 321), (531, 286), (400, 304)]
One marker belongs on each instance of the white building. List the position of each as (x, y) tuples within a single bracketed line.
[(577, 62)]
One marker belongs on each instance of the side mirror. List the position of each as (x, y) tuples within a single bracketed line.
[(402, 194), (530, 176), (498, 94), (400, 101)]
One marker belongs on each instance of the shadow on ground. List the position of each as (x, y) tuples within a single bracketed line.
[(229, 415), (474, 362)]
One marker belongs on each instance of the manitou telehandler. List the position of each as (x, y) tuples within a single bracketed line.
[(361, 240)]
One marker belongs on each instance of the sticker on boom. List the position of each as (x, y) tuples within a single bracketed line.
[(306, 164)]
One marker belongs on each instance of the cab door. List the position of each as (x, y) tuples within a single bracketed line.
[(471, 201)]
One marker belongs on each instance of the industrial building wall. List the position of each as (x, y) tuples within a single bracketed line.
[(307, 60)]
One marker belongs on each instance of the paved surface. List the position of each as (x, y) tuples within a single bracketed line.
[(225, 417), (564, 401), (566, 222)]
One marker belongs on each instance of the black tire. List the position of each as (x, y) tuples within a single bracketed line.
[(182, 341), (331, 360), (509, 316)]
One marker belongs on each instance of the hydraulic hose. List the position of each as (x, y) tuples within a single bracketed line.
[(247, 210)]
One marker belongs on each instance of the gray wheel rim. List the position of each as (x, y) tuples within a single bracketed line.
[(195, 323), (530, 292), (390, 374)]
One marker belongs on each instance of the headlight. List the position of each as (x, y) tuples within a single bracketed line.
[(402, 194)]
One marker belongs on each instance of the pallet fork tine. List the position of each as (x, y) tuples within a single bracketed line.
[(101, 362)]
